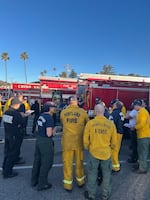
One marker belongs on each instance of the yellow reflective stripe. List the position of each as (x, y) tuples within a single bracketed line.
[(80, 179), (67, 182), (118, 165)]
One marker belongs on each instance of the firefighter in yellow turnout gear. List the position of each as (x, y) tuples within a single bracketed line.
[(142, 127), (100, 137), (73, 120)]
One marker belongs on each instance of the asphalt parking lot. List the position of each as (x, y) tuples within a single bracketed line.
[(126, 185)]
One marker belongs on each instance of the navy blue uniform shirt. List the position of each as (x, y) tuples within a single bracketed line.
[(118, 118), (12, 121), (22, 108), (44, 121)]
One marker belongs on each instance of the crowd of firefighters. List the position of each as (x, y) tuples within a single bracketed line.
[(101, 135)]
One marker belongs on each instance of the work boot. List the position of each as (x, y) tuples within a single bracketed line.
[(132, 160), (13, 174), (67, 190), (140, 171), (135, 167), (44, 187), (86, 195), (20, 162)]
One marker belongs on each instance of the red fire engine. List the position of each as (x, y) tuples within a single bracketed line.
[(90, 86), (109, 87), (47, 89)]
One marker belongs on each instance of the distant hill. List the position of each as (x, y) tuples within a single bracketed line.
[(4, 83)]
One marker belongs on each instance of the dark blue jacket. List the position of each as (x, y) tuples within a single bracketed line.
[(118, 118)]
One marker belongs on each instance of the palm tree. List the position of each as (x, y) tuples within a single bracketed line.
[(24, 56), (43, 73), (5, 57)]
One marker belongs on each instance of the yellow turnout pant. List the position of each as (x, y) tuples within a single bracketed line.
[(68, 157), (115, 154)]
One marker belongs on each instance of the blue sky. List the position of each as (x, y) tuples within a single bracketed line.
[(86, 34)]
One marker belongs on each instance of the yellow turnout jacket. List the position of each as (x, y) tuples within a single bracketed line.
[(100, 137), (1, 112), (73, 120), (142, 125)]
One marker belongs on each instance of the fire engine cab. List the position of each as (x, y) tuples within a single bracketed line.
[(57, 88), (110, 87)]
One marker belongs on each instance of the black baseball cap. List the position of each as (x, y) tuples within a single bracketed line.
[(48, 105), (97, 100), (137, 102), (114, 101)]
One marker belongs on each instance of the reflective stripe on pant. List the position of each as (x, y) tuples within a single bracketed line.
[(115, 154), (68, 157)]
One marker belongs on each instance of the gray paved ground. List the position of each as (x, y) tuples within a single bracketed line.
[(126, 185)]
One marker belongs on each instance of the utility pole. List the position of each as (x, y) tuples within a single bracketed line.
[(68, 68)]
